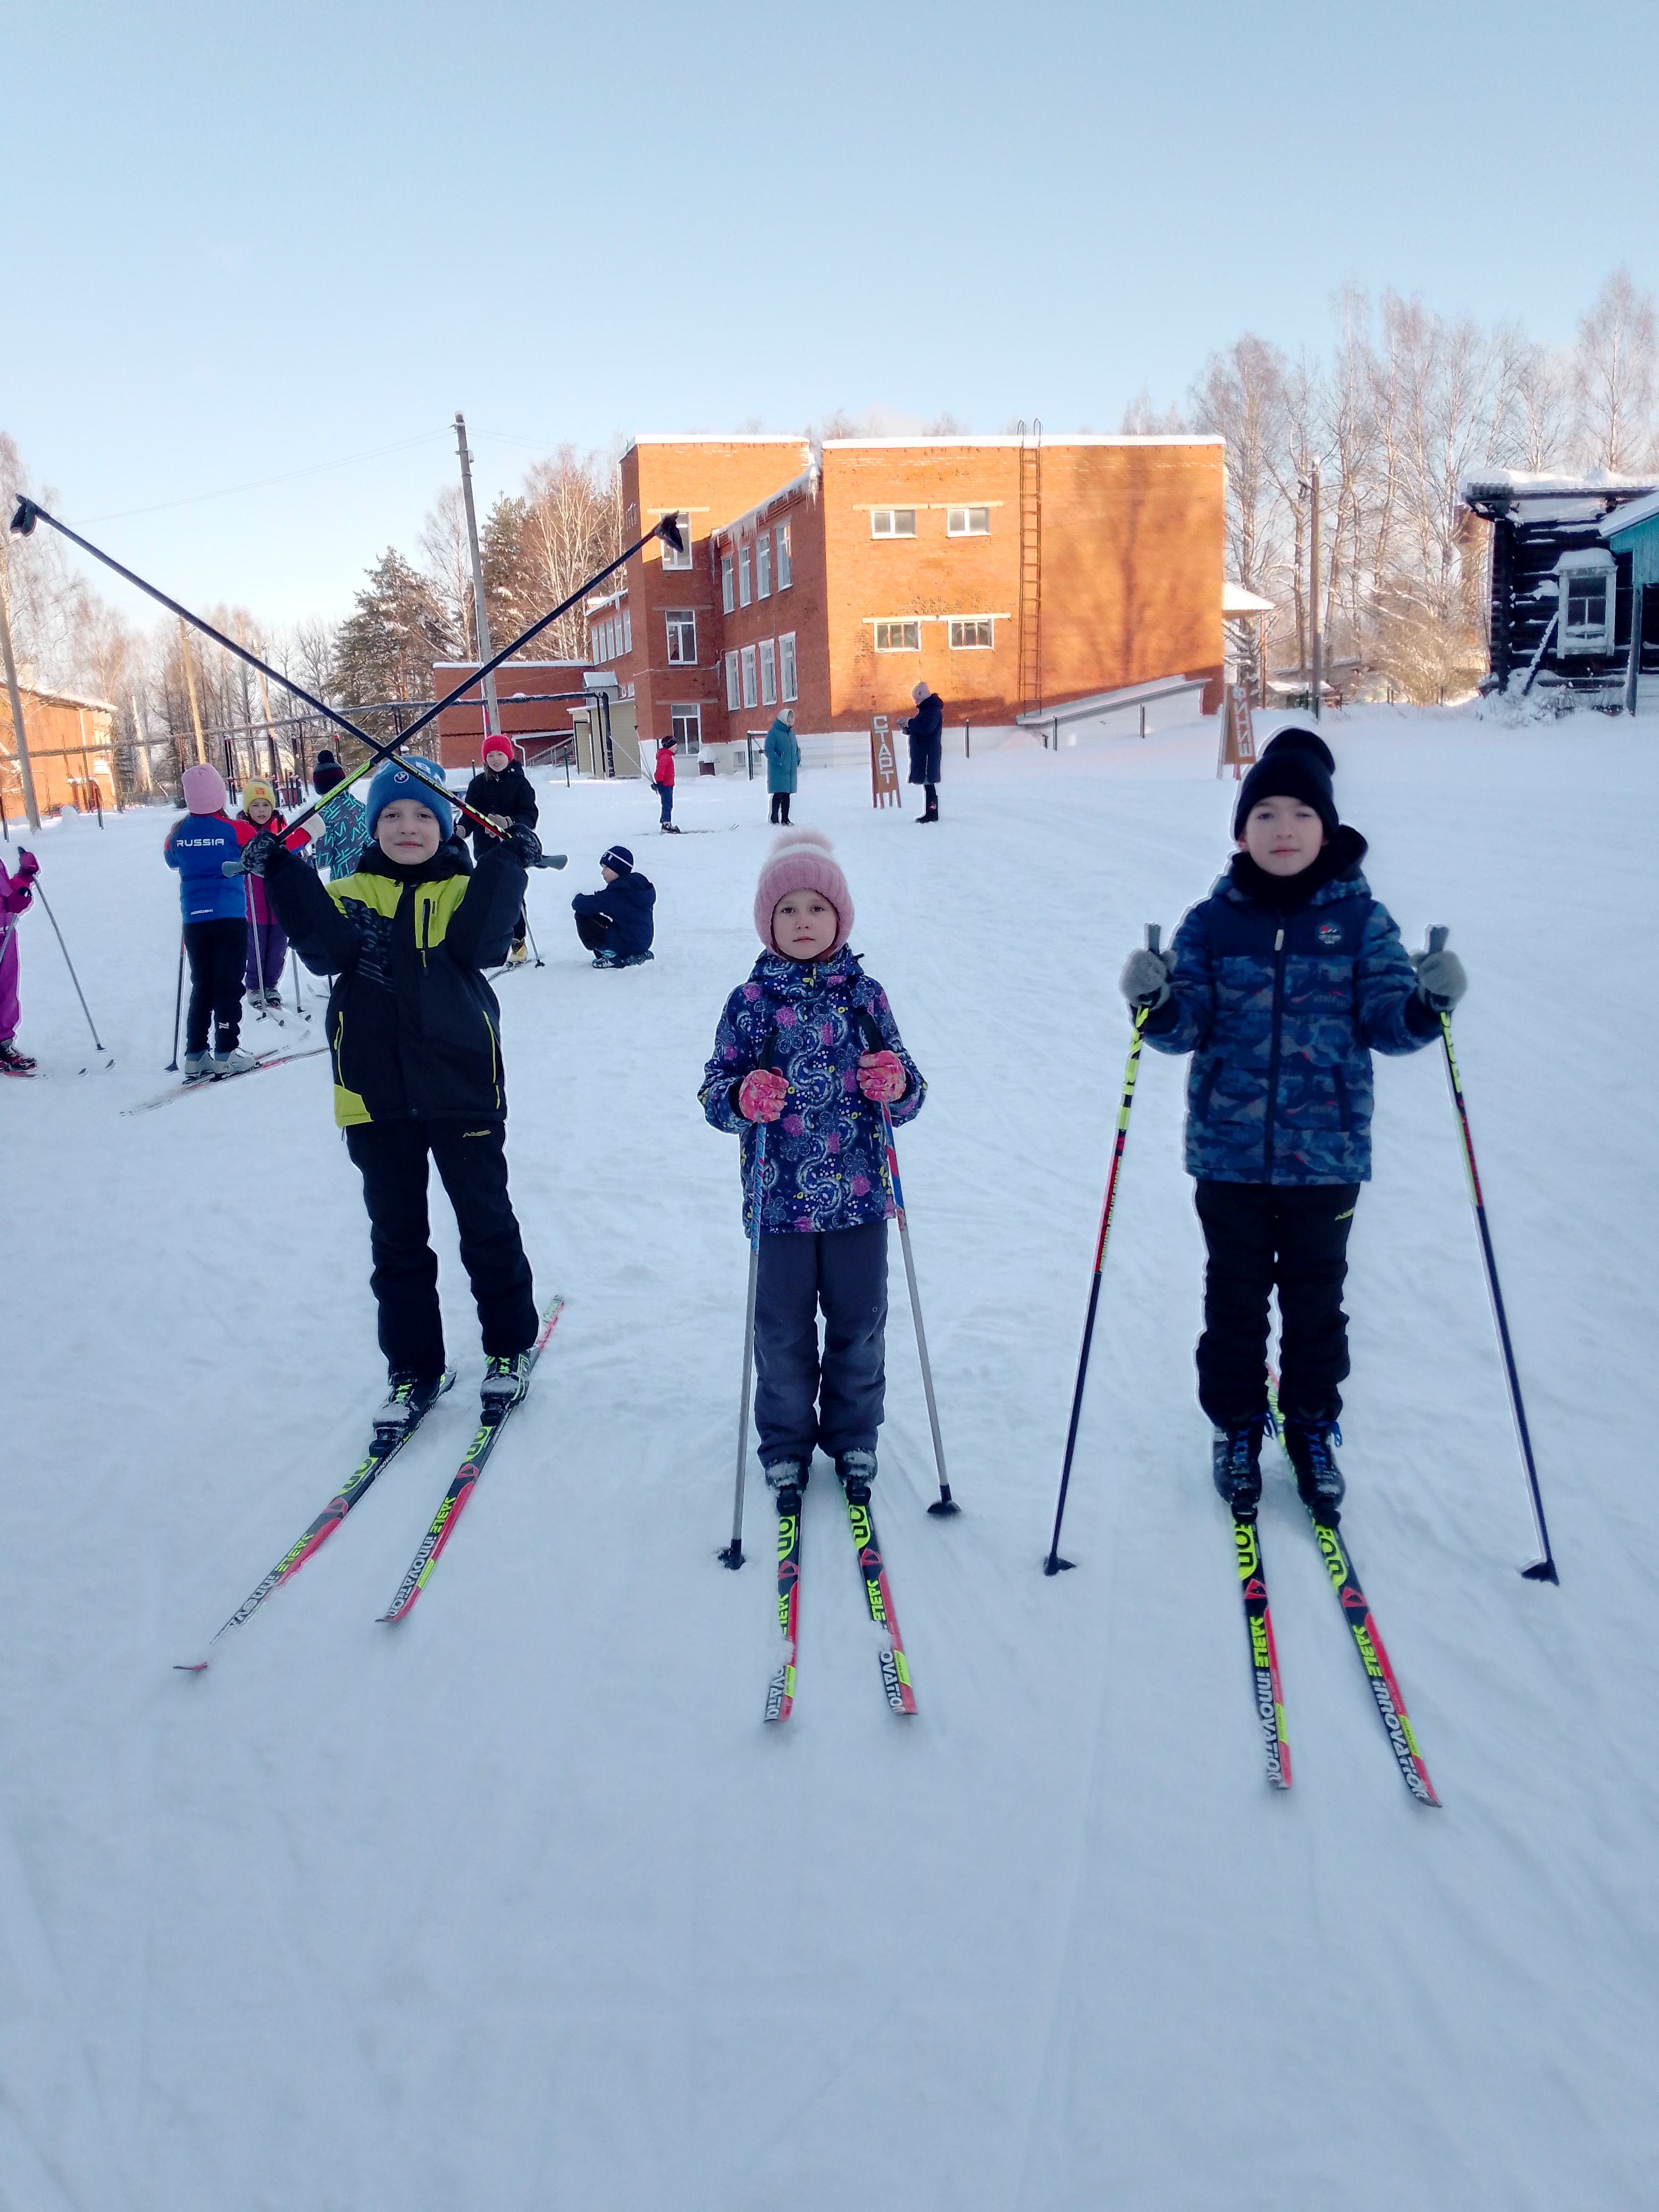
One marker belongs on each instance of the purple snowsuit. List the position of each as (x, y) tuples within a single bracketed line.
[(14, 897)]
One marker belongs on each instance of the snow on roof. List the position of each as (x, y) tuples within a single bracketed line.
[(1521, 483), (62, 698), (806, 482), (1236, 600), (1631, 515)]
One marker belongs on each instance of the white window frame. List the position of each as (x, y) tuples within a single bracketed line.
[(892, 522), (967, 521), (628, 631), (728, 588), (747, 657), (763, 566), (787, 667), (731, 682), (745, 572), (677, 621), (961, 624), (786, 573), (769, 672), (685, 724), (670, 559), (1584, 638), (909, 637)]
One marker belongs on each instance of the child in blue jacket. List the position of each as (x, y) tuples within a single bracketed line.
[(808, 1048), (215, 924), (1281, 984), (617, 925)]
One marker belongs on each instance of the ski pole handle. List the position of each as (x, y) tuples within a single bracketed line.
[(1153, 934), (1438, 934)]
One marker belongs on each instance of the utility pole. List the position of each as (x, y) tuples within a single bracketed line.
[(189, 685), (1313, 590), (480, 615), (19, 742)]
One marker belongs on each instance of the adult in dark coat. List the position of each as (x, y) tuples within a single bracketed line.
[(925, 728), (615, 924), (502, 790)]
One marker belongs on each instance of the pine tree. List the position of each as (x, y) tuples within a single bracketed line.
[(387, 646)]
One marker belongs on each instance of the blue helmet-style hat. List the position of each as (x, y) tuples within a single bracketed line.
[(392, 781)]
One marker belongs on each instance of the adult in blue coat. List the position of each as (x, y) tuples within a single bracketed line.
[(782, 763), (215, 907), (616, 924), (926, 729)]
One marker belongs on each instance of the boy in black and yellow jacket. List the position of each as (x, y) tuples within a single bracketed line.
[(414, 1030)]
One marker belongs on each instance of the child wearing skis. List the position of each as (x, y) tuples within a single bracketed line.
[(412, 1028), (807, 1050), (1281, 984), (16, 892), (267, 947), (662, 782), (345, 828), (502, 791), (215, 924)]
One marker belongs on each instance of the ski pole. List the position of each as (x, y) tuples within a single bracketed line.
[(30, 512), (74, 978), (534, 947), (253, 931), (732, 1555), (178, 1007), (943, 1503), (1543, 1568), (1053, 1563)]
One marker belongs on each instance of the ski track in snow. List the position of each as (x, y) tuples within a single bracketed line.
[(520, 1904)]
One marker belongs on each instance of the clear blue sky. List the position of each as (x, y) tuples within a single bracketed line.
[(240, 242)]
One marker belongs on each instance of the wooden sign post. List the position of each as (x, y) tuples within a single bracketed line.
[(1237, 733), (883, 767)]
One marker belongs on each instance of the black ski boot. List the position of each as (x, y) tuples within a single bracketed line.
[(786, 1479), (857, 1470), (1235, 1463), (408, 1397), (1307, 1439), (506, 1379)]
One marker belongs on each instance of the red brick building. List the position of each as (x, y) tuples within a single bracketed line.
[(534, 697), (1006, 573)]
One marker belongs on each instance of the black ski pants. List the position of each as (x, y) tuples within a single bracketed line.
[(780, 805), (594, 930), (800, 1399), (216, 950), (391, 1157), (1263, 1237)]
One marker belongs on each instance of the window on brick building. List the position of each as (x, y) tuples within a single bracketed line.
[(786, 664), (898, 637), (968, 522), (686, 725), (763, 566), (971, 633), (628, 631), (892, 522), (768, 673), (670, 559), (785, 573), (731, 681), (745, 592), (728, 590), (682, 638), (747, 657)]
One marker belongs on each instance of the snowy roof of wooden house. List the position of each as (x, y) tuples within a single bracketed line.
[(1551, 497), (1631, 516)]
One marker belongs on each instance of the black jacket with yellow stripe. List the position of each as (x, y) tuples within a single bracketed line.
[(413, 1027)]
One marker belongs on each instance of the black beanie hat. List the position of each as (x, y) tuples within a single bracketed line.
[(617, 858), (1296, 764)]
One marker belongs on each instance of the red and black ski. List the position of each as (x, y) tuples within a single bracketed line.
[(781, 1691), (1264, 1656), (1374, 1658), (895, 1667)]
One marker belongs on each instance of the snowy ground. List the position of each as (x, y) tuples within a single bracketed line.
[(519, 1906)]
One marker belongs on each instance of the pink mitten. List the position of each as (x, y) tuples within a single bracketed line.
[(762, 1093), (881, 1077)]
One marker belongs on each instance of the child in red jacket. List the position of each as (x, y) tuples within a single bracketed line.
[(267, 945)]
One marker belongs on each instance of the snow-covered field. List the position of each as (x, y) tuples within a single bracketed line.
[(519, 1906)]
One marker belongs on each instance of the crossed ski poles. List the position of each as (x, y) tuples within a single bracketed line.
[(30, 512)]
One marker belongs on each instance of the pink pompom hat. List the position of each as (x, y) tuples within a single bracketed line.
[(204, 789), (802, 860)]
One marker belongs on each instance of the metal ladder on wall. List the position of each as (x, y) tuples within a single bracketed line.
[(1030, 567)]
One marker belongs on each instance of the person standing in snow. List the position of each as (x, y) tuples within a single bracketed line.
[(1281, 984), (215, 924), (502, 791), (414, 1032), (345, 826), (662, 782), (925, 730), (16, 894), (794, 1051), (267, 947), (616, 924), (782, 763)]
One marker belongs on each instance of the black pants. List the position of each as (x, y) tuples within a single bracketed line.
[(780, 805), (216, 950), (1262, 1235), (594, 930), (801, 1399), (472, 1160)]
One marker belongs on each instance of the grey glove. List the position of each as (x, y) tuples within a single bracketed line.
[(1145, 978), (1441, 981)]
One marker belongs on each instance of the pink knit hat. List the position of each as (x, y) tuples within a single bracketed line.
[(204, 789), (802, 860)]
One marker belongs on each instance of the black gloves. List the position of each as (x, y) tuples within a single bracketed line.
[(525, 845)]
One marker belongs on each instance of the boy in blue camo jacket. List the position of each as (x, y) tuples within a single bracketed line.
[(1281, 984)]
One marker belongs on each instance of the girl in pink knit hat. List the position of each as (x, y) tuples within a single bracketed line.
[(808, 1047)]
